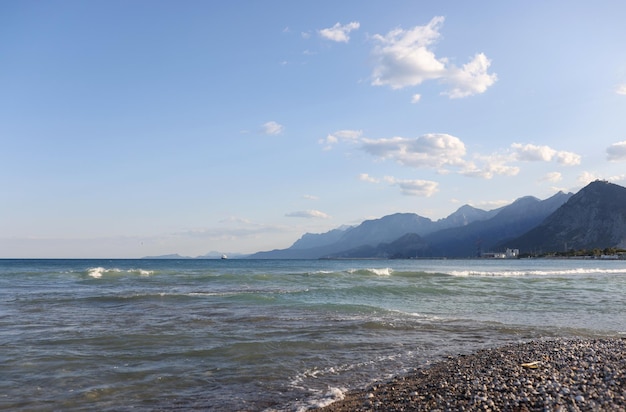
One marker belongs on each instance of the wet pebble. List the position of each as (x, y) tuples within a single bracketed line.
[(558, 375)]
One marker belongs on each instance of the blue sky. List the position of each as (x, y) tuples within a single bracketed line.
[(134, 128)]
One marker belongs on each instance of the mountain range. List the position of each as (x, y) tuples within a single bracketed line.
[(595, 217)]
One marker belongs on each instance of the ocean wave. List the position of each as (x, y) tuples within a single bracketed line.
[(419, 316), (99, 272), (307, 380), (332, 395), (372, 271), (519, 273), (300, 379), (245, 292)]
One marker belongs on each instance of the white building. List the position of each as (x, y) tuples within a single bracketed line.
[(509, 254), (512, 253)]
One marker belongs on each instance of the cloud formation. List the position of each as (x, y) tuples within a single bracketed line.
[(616, 152), (339, 33), (405, 58), (408, 187), (621, 89), (488, 166), (367, 178), (552, 177), (309, 214), (417, 187), (446, 154), (434, 150), (587, 177), (471, 79), (336, 137), (534, 153), (272, 128)]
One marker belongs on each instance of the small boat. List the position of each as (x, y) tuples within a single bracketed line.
[(224, 257)]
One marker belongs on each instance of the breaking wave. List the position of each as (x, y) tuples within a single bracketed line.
[(372, 271), (518, 273), (99, 272)]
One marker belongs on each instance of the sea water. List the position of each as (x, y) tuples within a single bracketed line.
[(228, 335)]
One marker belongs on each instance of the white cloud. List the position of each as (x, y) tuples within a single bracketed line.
[(423, 188), (367, 178), (404, 58), (348, 134), (309, 214), (552, 177), (272, 128), (587, 177), (617, 178), (617, 151), (568, 158), (438, 151), (621, 89), (235, 219), (311, 197), (339, 33), (534, 153), (447, 154), (335, 137), (430, 150), (488, 166), (416, 98), (471, 79)]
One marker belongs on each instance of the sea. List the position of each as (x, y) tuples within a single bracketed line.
[(273, 335)]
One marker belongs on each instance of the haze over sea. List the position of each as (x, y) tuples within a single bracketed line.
[(224, 335)]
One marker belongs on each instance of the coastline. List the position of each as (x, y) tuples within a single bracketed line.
[(551, 375)]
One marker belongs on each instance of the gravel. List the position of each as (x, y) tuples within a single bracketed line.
[(556, 375)]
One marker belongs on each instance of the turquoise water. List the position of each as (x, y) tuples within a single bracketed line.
[(229, 335)]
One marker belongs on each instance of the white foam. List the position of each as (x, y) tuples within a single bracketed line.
[(143, 272), (98, 272), (382, 271), (417, 315), (375, 271), (517, 273), (333, 395)]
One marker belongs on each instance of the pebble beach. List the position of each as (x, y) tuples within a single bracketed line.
[(555, 375)]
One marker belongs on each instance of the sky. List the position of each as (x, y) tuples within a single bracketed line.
[(148, 127)]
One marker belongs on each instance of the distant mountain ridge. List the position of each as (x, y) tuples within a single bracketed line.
[(368, 235), (595, 217), (509, 222), (464, 233)]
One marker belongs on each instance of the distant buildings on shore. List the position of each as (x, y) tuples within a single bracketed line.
[(514, 254), (508, 254)]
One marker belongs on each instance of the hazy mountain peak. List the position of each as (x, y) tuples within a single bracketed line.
[(595, 217)]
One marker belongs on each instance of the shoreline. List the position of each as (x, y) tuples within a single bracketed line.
[(551, 375)]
